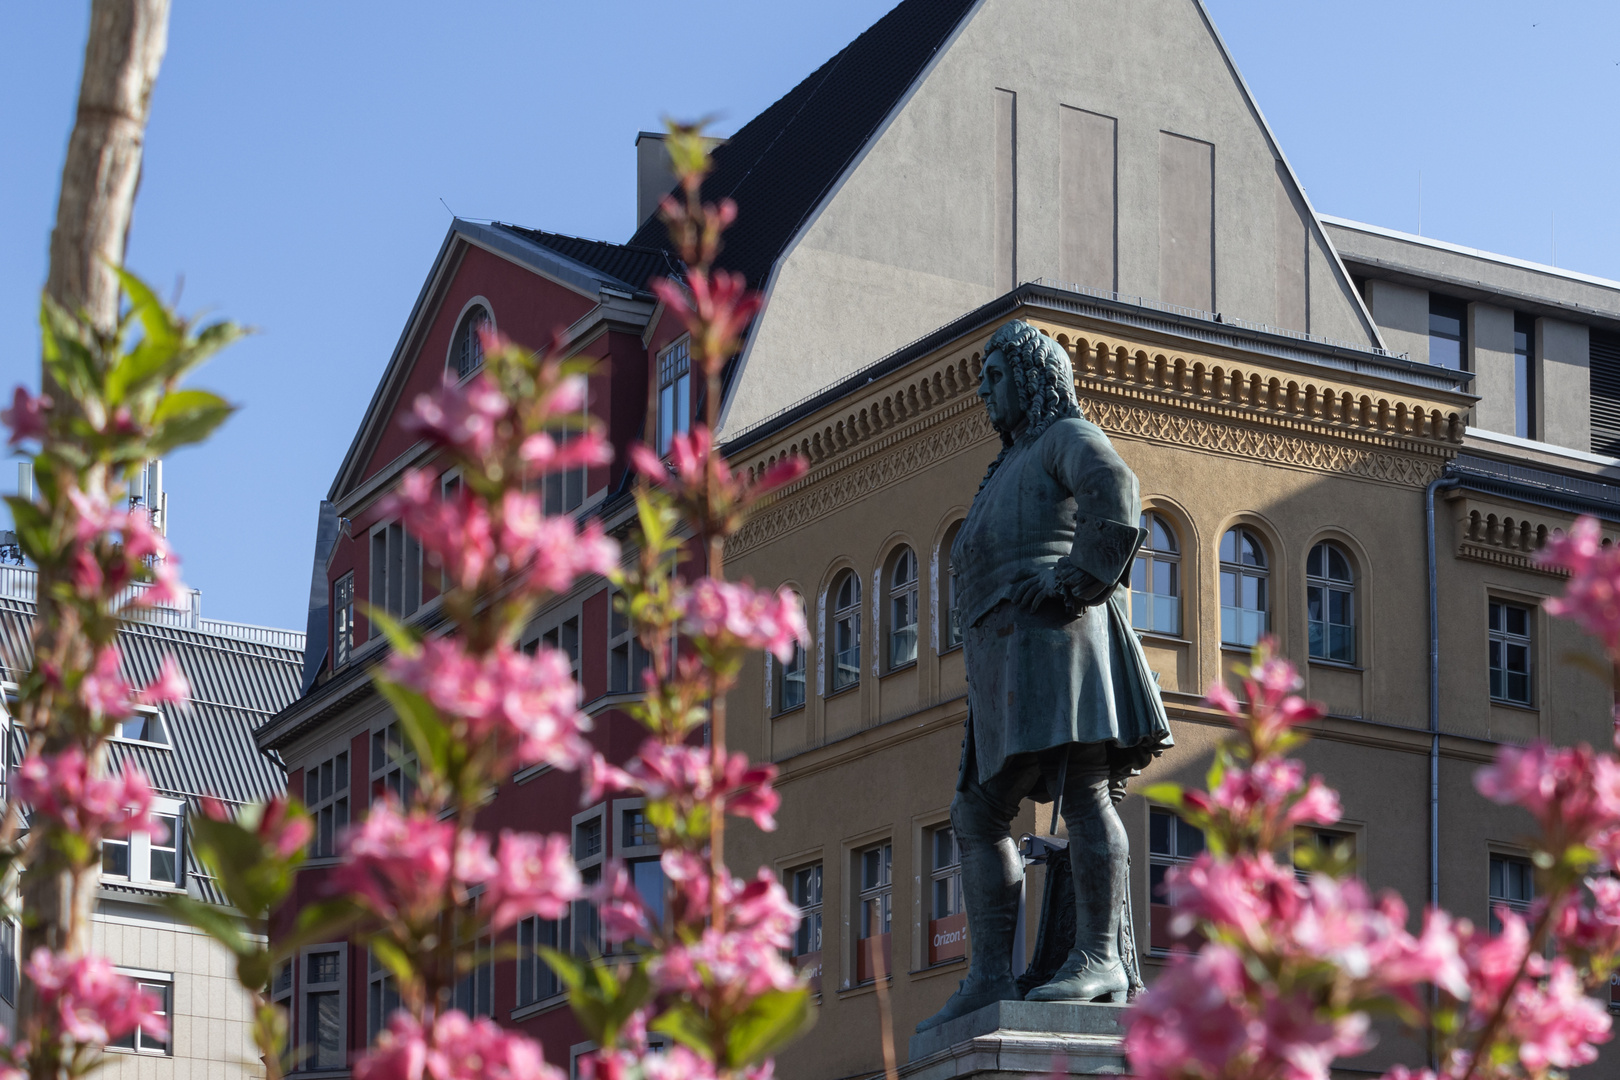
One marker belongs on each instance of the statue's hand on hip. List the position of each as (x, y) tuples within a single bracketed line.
[(1035, 590)]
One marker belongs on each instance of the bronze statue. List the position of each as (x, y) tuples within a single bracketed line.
[(1061, 703)]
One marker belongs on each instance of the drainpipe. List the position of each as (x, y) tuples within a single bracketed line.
[(1446, 480)]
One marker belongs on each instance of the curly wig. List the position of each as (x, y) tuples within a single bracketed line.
[(1043, 377)]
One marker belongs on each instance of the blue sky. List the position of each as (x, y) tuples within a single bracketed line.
[(299, 152)]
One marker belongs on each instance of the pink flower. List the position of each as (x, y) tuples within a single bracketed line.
[(462, 417), (60, 787), (1592, 597), (283, 832), (26, 417), (548, 551), (734, 615), (169, 687), (455, 531), (544, 453), (454, 1048), (402, 866), (685, 775), (93, 1004), (534, 875), (1556, 1022), (526, 706), (1573, 792), (714, 308), (103, 691), (1191, 1022), (621, 908)]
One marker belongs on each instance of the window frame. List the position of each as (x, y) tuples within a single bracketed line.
[(343, 620), (845, 616), (898, 594), (149, 980), (880, 893), (674, 375), (381, 989), (796, 670), (943, 944), (1163, 860), (463, 340), (138, 847), (1328, 586), (811, 930), (947, 618), (324, 844), (1524, 376), (1240, 571), (400, 595), (10, 939), (1449, 308), (1148, 558), (1519, 905), (566, 491), (587, 925), (306, 988), (153, 717), (1506, 639), (624, 649)]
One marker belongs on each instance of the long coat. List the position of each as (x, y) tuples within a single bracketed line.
[(1068, 672)]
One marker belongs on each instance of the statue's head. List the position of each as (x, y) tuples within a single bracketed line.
[(1026, 381)]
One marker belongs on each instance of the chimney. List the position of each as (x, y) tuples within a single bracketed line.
[(654, 177)]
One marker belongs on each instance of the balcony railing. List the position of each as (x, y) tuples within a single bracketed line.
[(22, 583)]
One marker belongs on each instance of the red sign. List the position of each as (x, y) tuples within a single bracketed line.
[(810, 965), (947, 938)]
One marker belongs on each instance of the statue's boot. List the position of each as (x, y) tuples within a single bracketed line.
[(1098, 852), (991, 875)]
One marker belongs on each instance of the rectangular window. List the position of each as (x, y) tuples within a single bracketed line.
[(393, 765), (1170, 841), (1513, 885), (1448, 334), (382, 996), (535, 979), (875, 902), (145, 726), (953, 615), (343, 620), (1524, 376), (674, 393), (804, 888), (396, 570), (564, 492), (1322, 849), (321, 1030), (627, 658), (161, 987), (564, 637), (590, 849), (947, 918), (146, 858), (326, 794), (164, 864), (115, 858), (475, 991), (281, 989), (8, 961), (1510, 653)]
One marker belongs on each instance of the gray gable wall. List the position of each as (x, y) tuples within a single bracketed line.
[(1107, 143)]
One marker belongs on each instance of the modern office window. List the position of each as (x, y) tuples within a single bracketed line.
[(947, 917), (326, 794), (590, 850), (467, 351), (382, 996), (145, 726), (1315, 849), (1330, 602), (804, 888), (321, 1032), (1510, 653), (588, 838), (674, 393), (789, 689), (1524, 376), (535, 979), (8, 961), (1245, 588), (627, 657), (875, 903), (950, 631), (846, 643), (1513, 885), (160, 986), (903, 609), (1156, 580), (396, 570), (148, 858), (115, 858), (637, 844), (1171, 841), (342, 620), (1448, 332), (163, 851)]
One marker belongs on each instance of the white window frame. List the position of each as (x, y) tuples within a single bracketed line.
[(816, 931), (139, 849), (452, 361), (903, 595), (154, 718), (850, 616), (948, 873), (881, 893), (150, 978), (1143, 601), (799, 664), (1241, 571), (305, 988), (343, 620)]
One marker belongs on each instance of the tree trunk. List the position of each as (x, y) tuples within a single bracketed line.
[(127, 39)]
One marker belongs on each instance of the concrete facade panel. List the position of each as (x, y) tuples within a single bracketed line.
[(1186, 222), (1293, 258), (1490, 348), (1563, 403), (1402, 315), (1088, 201)]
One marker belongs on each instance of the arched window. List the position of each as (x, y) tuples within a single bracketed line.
[(790, 691), (1245, 588), (1156, 580), (846, 640), (950, 629), (902, 608), (1330, 601), (467, 351)]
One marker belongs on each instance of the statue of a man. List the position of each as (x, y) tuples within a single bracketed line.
[(1058, 686)]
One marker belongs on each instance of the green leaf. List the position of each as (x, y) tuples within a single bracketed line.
[(687, 1025), (600, 999), (184, 417), (394, 958), (769, 1023), (221, 925), (402, 638), (428, 734), (156, 322), (1168, 794)]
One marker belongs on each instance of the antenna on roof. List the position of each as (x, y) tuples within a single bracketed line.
[(446, 206), (146, 493), (10, 548)]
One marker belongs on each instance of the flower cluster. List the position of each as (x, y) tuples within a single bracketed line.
[(689, 777), (735, 616), (92, 1003), (26, 417), (525, 708), (63, 787), (403, 867), (1592, 598), (114, 547), (452, 1048), (1572, 792), (711, 496)]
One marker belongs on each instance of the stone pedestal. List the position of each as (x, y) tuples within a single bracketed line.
[(1012, 1039)]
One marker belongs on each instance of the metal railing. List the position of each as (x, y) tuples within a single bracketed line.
[(22, 583)]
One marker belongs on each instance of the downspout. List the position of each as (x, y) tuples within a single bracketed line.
[(1447, 479)]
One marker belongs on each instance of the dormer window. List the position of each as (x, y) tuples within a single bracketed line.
[(467, 349), (145, 726)]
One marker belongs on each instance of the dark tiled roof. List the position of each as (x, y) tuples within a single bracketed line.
[(780, 164), (633, 265)]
